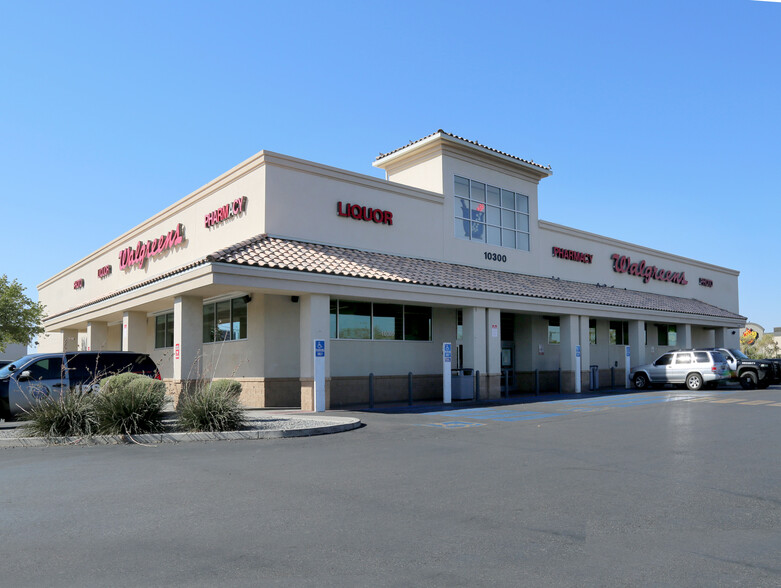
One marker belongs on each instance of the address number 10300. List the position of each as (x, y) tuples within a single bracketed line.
[(495, 257)]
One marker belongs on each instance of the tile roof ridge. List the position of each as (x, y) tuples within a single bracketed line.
[(465, 140)]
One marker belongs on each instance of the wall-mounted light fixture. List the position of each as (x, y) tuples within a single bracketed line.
[(294, 299), (246, 299)]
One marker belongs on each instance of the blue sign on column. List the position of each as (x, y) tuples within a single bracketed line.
[(319, 348)]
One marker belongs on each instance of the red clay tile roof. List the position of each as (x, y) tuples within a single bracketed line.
[(273, 252), (440, 131)]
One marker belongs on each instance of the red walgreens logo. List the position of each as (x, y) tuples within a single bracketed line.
[(624, 265), (143, 251)]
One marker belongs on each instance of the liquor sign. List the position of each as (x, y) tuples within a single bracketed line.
[(572, 255), (358, 212), (104, 271), (137, 257), (623, 264), (225, 212)]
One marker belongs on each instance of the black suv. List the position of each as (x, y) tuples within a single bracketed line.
[(751, 373), (51, 374)]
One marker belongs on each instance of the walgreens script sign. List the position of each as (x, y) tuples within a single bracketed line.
[(130, 257)]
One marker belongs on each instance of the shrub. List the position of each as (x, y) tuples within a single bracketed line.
[(213, 407), (69, 415), (130, 404)]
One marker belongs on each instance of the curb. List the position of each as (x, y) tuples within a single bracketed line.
[(340, 424)]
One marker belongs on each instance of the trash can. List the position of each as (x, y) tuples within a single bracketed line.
[(593, 377), (462, 384)]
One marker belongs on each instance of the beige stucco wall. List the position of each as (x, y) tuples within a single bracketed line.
[(246, 180), (723, 293)]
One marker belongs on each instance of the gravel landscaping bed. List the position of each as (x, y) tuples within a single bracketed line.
[(258, 427)]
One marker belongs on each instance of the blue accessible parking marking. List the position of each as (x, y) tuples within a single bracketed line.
[(453, 425), (497, 414)]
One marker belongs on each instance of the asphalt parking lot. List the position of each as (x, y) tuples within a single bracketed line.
[(663, 488)]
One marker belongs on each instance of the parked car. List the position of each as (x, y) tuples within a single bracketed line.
[(751, 373), (694, 368), (51, 374)]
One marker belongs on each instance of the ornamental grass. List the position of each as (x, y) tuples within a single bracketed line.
[(213, 407), (130, 404), (70, 415)]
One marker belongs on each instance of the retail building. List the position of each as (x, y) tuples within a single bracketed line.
[(241, 277)]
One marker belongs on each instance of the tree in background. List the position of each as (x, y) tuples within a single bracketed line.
[(20, 317), (763, 348)]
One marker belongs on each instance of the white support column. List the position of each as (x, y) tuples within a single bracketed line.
[(70, 339), (97, 336), (570, 338), (726, 337), (683, 336), (474, 341), (188, 338), (493, 351), (134, 331), (585, 354), (314, 324), (637, 343)]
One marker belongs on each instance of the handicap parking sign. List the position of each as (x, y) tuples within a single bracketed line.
[(319, 348)]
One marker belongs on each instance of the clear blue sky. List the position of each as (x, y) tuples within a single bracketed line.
[(661, 119)]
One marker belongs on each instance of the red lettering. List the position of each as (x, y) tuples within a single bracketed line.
[(364, 213)]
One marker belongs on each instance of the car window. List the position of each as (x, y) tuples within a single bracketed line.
[(666, 359), (701, 357), (49, 368), (718, 357), (683, 358), (85, 368), (144, 364)]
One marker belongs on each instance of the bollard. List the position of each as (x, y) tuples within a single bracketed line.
[(409, 388), (371, 391), (536, 382), (612, 377), (477, 384), (559, 380), (506, 383)]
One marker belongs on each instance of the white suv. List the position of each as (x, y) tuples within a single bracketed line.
[(696, 369)]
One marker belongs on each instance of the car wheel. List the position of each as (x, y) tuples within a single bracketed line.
[(640, 381), (748, 380), (694, 381)]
